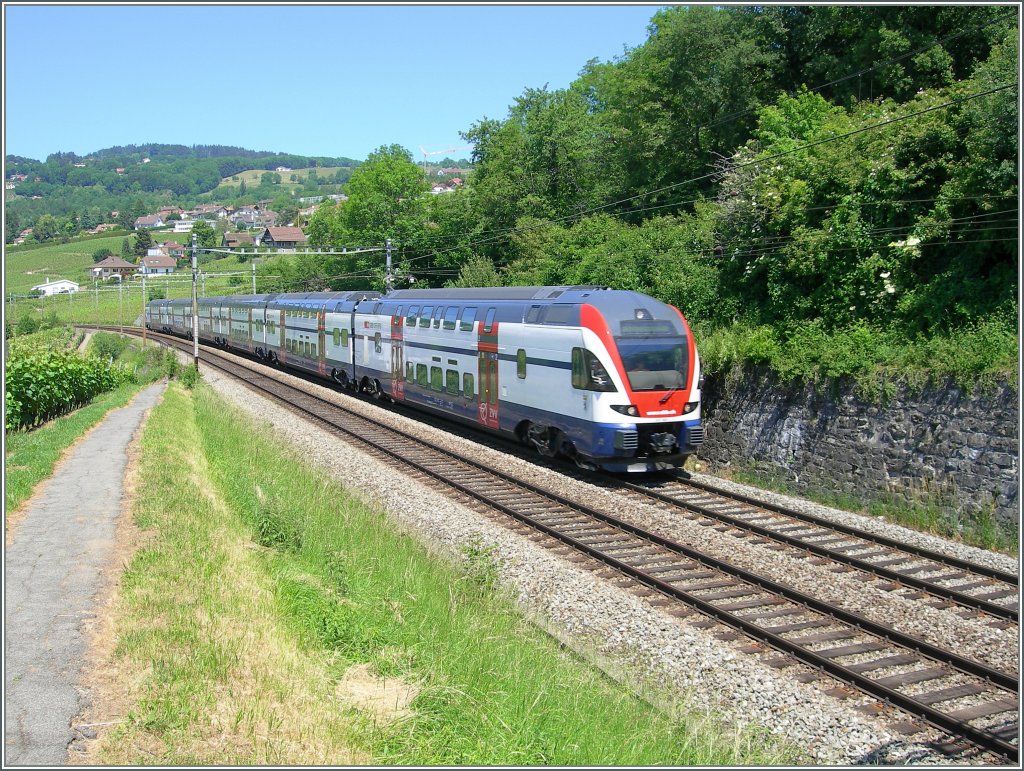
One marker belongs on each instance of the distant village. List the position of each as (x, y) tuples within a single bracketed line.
[(254, 226), (250, 226)]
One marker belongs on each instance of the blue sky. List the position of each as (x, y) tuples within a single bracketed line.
[(313, 80)]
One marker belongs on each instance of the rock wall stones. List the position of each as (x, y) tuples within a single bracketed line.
[(941, 445)]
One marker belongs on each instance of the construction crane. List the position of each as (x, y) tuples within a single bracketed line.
[(440, 152)]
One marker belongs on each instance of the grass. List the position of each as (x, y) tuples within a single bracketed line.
[(265, 585), (252, 178), (104, 302), (24, 270)]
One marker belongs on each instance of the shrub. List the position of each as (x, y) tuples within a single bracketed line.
[(42, 385), (190, 376), (107, 346)]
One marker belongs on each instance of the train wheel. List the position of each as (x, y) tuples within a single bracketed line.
[(546, 439)]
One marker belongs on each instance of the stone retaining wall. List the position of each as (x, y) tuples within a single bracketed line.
[(941, 445)]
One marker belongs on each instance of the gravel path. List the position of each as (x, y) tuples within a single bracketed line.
[(53, 568), (729, 679)]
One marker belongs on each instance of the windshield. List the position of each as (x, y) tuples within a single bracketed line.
[(655, 365)]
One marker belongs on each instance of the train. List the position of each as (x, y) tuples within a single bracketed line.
[(610, 379)]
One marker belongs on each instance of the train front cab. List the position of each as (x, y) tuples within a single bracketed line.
[(647, 416)]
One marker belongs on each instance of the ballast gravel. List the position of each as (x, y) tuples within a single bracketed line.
[(684, 662)]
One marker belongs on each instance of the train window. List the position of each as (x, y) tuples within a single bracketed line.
[(425, 315), (452, 381), (489, 321), (337, 336), (305, 347), (410, 320), (312, 348), (467, 385), (421, 374), (377, 347), (578, 379), (450, 317), (437, 317), (409, 371), (588, 373), (559, 314), (521, 363), (535, 315), (344, 337), (436, 379), (468, 319)]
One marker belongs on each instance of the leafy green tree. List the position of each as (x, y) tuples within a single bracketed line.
[(126, 249), (102, 254), (386, 200), (46, 228), (204, 233), (143, 242), (12, 226)]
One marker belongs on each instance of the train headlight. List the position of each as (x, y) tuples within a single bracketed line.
[(627, 409), (690, 407)]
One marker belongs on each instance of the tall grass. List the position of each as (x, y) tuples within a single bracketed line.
[(494, 689), (266, 582)]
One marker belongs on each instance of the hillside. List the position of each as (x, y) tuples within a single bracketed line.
[(82, 191)]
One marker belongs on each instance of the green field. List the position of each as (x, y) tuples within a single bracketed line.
[(73, 261), (252, 178), (104, 302)]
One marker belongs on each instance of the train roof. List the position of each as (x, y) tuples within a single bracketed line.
[(497, 293)]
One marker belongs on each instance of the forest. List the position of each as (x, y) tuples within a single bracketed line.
[(826, 189)]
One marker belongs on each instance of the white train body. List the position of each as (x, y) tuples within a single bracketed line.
[(608, 378)]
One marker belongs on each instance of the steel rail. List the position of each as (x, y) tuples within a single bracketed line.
[(947, 593), (881, 540)]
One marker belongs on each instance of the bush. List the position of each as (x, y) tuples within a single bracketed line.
[(43, 384), (190, 376), (27, 325), (107, 346)]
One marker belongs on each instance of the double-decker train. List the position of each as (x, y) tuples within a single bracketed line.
[(608, 378)]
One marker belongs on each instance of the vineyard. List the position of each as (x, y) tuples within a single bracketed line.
[(44, 382)]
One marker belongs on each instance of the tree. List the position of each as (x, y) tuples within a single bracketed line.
[(102, 254), (12, 226), (204, 233), (126, 249), (46, 228), (143, 243), (385, 199)]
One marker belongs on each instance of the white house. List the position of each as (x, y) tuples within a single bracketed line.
[(157, 262), (184, 226), (60, 286)]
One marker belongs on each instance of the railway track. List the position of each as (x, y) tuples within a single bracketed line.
[(953, 693), (947, 578)]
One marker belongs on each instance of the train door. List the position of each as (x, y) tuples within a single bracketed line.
[(487, 371), (282, 338), (321, 334), (397, 357), (250, 334)]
